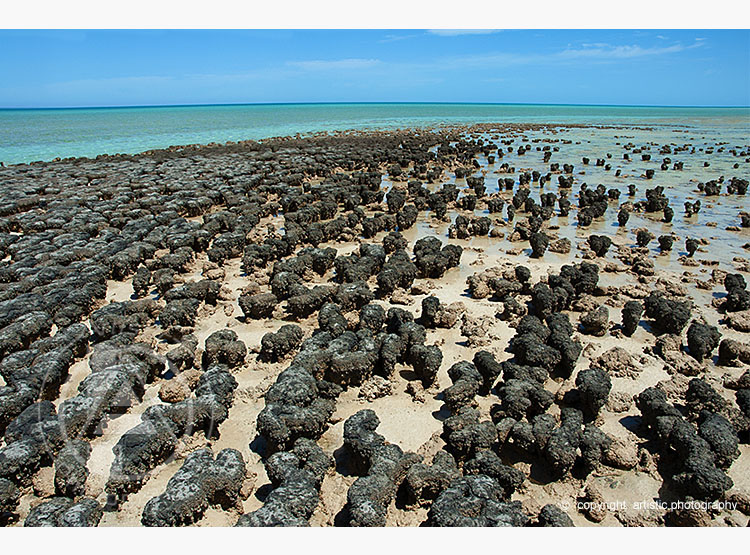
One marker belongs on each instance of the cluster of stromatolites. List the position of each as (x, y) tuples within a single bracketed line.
[(322, 229)]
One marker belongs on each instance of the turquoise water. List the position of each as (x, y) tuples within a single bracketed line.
[(29, 135)]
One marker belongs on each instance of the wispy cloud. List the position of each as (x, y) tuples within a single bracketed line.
[(459, 32), (345, 64), (594, 52), (394, 38), (440, 33), (493, 59), (112, 82), (610, 52)]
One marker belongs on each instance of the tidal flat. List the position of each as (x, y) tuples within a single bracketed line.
[(467, 325)]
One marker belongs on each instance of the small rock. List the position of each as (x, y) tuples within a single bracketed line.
[(596, 322), (680, 363), (43, 482), (594, 507), (674, 388), (619, 401), (561, 246), (248, 486), (180, 387), (421, 288), (739, 321), (668, 342), (742, 501), (476, 329), (416, 390), (621, 454), (618, 362), (687, 517), (375, 388), (447, 316), (401, 297)]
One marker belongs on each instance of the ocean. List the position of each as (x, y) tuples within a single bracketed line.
[(28, 135)]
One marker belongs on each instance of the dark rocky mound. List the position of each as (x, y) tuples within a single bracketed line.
[(690, 460), (668, 315), (476, 501), (201, 481), (296, 476), (702, 339), (382, 467)]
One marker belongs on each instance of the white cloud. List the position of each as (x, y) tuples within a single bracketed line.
[(323, 65), (458, 32), (609, 52), (595, 52)]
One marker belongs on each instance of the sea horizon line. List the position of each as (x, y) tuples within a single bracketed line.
[(383, 103)]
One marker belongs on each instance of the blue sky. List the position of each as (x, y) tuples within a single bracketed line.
[(142, 67)]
